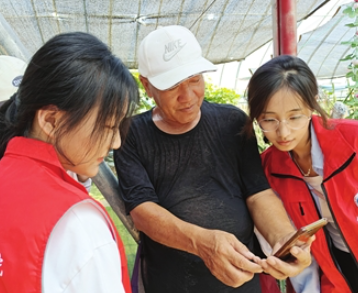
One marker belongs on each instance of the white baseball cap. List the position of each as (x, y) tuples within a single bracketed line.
[(170, 55), (11, 71)]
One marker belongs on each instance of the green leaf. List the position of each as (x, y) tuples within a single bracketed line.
[(348, 57), (354, 77), (352, 24), (350, 74), (348, 10), (352, 102)]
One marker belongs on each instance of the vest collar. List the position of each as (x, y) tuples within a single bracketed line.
[(335, 148), (34, 149)]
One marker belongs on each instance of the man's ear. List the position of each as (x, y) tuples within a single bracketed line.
[(146, 84), (47, 119)]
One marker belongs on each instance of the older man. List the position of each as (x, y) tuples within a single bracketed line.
[(193, 183)]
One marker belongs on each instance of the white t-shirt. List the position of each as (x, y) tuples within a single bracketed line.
[(314, 184), (87, 184), (81, 254)]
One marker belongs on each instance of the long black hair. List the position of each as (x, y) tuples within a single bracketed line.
[(283, 71), (74, 72)]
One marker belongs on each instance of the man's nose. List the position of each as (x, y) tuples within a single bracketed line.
[(186, 93)]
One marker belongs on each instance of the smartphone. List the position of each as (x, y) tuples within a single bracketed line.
[(301, 235)]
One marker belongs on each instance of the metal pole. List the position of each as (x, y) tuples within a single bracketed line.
[(107, 184), (275, 28), (11, 43), (285, 27)]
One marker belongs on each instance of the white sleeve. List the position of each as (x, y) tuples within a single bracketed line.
[(265, 246), (308, 281), (81, 254), (86, 184)]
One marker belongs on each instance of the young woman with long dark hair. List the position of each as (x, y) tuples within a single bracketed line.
[(71, 108), (312, 164)]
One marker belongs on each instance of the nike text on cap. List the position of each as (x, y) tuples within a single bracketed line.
[(11, 72), (170, 55)]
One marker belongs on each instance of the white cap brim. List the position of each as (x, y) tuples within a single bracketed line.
[(171, 78)]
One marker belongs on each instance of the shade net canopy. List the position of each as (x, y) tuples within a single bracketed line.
[(322, 48), (228, 30)]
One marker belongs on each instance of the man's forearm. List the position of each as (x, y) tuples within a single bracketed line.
[(226, 257), (163, 227), (269, 216)]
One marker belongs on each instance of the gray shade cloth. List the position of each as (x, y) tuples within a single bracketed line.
[(322, 48), (227, 30)]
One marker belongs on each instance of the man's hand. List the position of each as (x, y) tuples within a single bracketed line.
[(227, 258), (280, 269)]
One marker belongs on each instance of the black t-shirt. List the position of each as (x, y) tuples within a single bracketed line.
[(203, 177)]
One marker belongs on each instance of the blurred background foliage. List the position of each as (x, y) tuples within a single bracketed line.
[(351, 99)]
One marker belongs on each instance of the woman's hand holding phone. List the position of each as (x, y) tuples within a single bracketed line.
[(300, 238), (293, 251)]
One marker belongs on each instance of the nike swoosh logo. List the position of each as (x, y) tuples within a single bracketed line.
[(170, 55)]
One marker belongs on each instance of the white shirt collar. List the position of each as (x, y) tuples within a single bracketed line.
[(316, 153)]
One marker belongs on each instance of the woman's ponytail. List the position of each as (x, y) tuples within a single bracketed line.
[(8, 112)]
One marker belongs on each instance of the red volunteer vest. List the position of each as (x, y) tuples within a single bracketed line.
[(35, 193), (340, 185)]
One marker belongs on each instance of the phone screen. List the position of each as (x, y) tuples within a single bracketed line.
[(302, 235)]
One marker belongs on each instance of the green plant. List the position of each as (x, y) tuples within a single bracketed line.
[(261, 144), (351, 99), (328, 98), (220, 95), (145, 103)]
